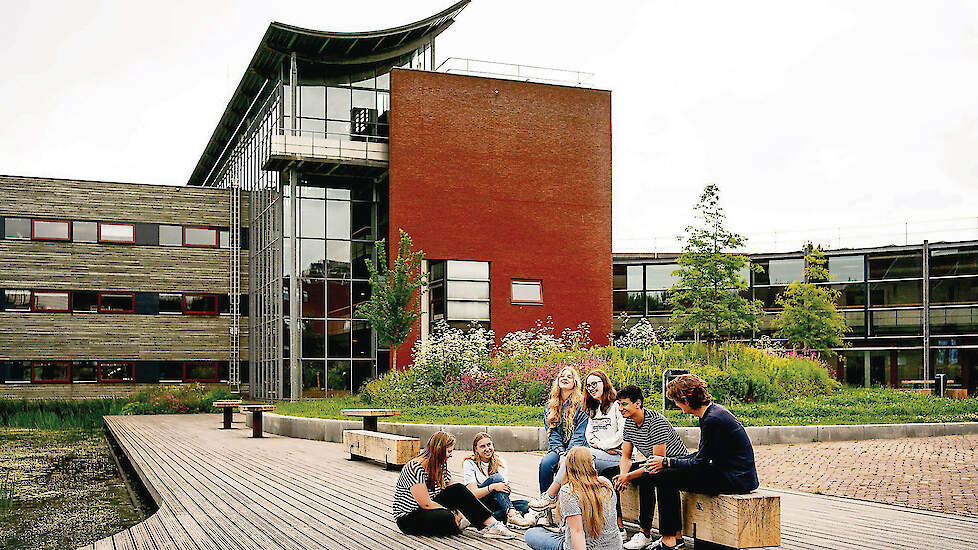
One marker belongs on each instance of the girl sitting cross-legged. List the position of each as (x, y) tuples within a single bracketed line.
[(426, 502), (485, 476), (586, 504)]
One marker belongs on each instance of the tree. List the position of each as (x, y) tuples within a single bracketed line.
[(706, 297), (809, 317), (394, 301)]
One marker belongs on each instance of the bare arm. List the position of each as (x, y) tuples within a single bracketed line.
[(576, 526), (420, 494), (624, 466)]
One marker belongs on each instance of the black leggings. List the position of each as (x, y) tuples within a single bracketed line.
[(707, 481), (440, 522)]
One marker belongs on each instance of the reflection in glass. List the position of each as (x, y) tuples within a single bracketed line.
[(656, 300), (312, 258), (312, 101), (338, 219), (628, 302), (338, 299), (338, 103), (338, 259), (361, 252), (200, 370), (956, 320), (783, 272), (313, 298), (170, 235), (468, 310), (954, 291), (87, 301), (84, 371), (362, 226), (338, 193), (115, 371), (847, 268), (850, 295), (16, 228), (337, 377), (897, 322), (361, 293), (458, 269), (116, 233), (169, 303), (633, 277), (362, 371), (338, 338), (362, 342), (313, 338), (87, 232), (895, 266), (903, 293), (953, 261), (312, 218), (55, 231), (115, 303), (199, 236), (195, 303), (659, 276), (51, 301), (468, 290), (50, 371), (313, 379)]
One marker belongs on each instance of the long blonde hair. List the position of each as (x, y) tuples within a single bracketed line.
[(553, 406), (590, 491), (434, 458), (477, 458)]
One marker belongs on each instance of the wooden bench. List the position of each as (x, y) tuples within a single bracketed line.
[(227, 405), (256, 411), (370, 416), (735, 521), (392, 450)]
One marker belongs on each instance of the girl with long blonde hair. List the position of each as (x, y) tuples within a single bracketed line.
[(586, 506), (485, 475), (426, 502), (566, 422)]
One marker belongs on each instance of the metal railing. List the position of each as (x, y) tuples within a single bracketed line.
[(513, 71)]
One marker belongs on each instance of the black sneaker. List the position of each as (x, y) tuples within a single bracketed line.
[(659, 545)]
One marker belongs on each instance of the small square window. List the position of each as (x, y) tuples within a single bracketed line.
[(200, 304), (17, 300), (50, 230), (171, 235), (84, 232), (50, 301), (116, 302), (17, 228), (527, 292), (200, 236), (116, 233)]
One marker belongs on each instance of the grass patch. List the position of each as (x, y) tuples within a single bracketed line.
[(847, 406), (61, 489)]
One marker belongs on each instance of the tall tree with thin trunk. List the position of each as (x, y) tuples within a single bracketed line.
[(809, 318), (394, 301), (705, 299)]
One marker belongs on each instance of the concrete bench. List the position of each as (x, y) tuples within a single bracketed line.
[(392, 450), (735, 521)]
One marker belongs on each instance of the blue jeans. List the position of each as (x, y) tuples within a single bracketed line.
[(548, 467), (539, 538), (499, 503), (602, 460)]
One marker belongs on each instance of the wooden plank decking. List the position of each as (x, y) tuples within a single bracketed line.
[(220, 489)]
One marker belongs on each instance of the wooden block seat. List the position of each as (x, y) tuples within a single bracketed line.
[(735, 521), (227, 405), (370, 416), (391, 449)]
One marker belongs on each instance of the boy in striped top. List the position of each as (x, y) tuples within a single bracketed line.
[(651, 434)]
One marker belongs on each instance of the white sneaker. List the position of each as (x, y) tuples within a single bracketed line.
[(638, 541), (543, 502), (498, 531), (515, 519), (463, 523)]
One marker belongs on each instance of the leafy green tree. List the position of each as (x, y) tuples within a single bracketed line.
[(705, 300), (809, 318), (394, 301)]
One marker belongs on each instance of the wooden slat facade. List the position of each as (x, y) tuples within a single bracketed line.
[(123, 336), (222, 489)]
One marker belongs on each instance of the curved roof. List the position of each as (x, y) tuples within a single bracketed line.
[(326, 56)]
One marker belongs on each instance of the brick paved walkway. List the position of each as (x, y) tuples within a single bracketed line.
[(936, 473)]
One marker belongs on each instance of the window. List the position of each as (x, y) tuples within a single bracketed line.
[(116, 233), (115, 371), (84, 300), (55, 372), (785, 272), (116, 302), (527, 292), (847, 268), (50, 230), (171, 303), (659, 277), (17, 228), (171, 235), (16, 371), (84, 232), (51, 301), (84, 371), (224, 239), (458, 291), (17, 300), (200, 304), (200, 371), (200, 236)]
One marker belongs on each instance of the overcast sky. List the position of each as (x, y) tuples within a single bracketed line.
[(816, 119)]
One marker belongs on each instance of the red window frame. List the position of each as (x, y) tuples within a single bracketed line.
[(67, 380), (217, 304), (131, 295), (36, 238), (132, 371), (217, 237), (525, 302), (101, 240), (200, 364), (34, 294)]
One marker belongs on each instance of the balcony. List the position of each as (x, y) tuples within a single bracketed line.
[(512, 71), (321, 152)]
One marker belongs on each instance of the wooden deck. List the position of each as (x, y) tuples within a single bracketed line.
[(219, 489)]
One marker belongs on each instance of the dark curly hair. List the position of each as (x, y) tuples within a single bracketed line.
[(690, 389)]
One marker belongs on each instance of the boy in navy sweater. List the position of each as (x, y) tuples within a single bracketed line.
[(724, 462)]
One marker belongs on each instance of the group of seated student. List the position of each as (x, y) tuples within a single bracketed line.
[(588, 463)]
